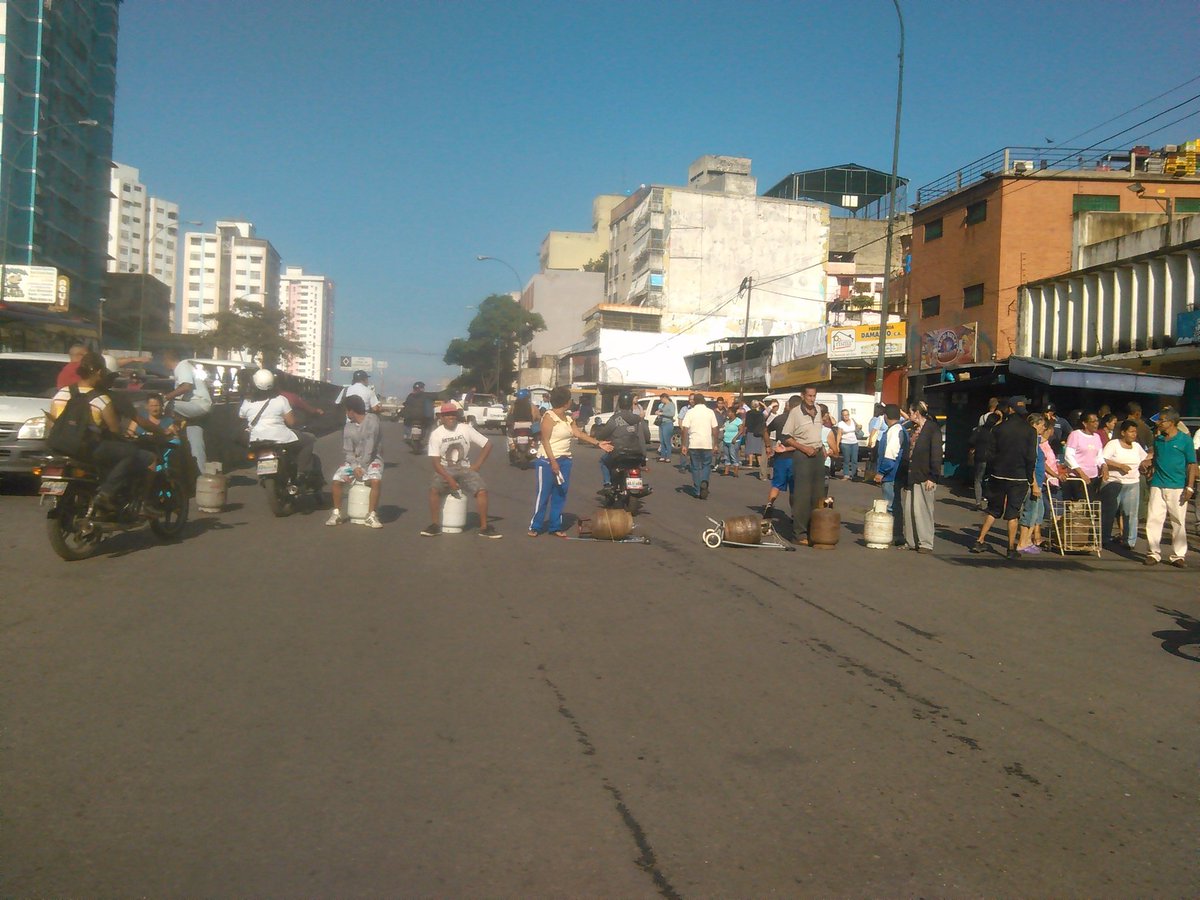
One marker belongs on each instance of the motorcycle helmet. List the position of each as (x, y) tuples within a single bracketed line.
[(264, 379), (523, 394), (418, 385), (625, 400)]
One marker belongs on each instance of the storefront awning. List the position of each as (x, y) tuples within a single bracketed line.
[(1086, 376)]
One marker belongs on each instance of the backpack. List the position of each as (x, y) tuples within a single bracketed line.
[(72, 433)]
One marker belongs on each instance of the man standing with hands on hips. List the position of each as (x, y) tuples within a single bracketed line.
[(802, 433)]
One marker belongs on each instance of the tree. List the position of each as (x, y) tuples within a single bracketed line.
[(488, 354), (599, 264), (254, 329)]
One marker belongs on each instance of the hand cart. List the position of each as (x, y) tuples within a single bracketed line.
[(1077, 522), (583, 531), (715, 537)]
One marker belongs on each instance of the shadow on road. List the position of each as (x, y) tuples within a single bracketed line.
[(1184, 643)]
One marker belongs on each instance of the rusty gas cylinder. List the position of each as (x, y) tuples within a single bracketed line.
[(825, 527), (611, 524), (743, 530)]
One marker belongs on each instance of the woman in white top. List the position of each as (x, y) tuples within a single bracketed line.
[(848, 433), (553, 463), (270, 418), (1121, 493)]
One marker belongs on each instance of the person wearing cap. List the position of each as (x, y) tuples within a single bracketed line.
[(1011, 455), (359, 388), (361, 440), (1172, 471), (450, 450)]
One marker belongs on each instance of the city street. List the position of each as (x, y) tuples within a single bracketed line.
[(271, 707)]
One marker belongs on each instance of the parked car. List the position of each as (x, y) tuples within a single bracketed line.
[(28, 382), (484, 411)]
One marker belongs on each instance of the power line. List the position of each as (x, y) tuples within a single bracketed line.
[(1127, 112)]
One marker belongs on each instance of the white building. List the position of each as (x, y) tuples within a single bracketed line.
[(229, 264), (677, 259), (308, 301), (143, 231)]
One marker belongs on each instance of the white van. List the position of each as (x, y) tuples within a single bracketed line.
[(861, 406), (643, 405)]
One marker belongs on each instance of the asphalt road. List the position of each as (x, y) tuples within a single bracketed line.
[(276, 708)]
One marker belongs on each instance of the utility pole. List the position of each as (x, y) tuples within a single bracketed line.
[(891, 225), (747, 287)]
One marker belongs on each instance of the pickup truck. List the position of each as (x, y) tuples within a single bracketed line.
[(483, 412), (389, 408)]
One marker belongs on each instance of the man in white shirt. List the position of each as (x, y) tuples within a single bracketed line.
[(450, 450), (192, 401), (698, 435), (360, 388)]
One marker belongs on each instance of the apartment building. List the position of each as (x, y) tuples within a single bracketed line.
[(57, 94), (575, 249), (308, 301), (143, 232), (231, 263)]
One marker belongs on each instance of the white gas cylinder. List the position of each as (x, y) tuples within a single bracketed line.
[(877, 528), (454, 512), (210, 492), (358, 504)]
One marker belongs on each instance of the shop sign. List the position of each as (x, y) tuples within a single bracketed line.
[(33, 284), (815, 369), (862, 341), (947, 347)]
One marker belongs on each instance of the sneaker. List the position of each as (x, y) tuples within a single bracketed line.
[(490, 532), (704, 490), (372, 521), (1012, 553), (1150, 560), (335, 518), (979, 547), (1031, 549), (432, 530)]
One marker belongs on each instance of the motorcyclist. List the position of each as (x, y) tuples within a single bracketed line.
[(628, 432), (270, 418), (520, 419), (417, 409)]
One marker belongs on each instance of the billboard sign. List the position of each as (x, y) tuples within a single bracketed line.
[(33, 284), (361, 362), (948, 347), (862, 341)]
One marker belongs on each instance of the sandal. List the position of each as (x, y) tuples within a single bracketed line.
[(533, 534), (560, 534)]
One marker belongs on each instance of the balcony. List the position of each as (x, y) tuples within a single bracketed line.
[(1022, 161)]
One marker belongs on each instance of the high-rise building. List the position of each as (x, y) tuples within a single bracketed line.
[(230, 264), (143, 231), (308, 301), (57, 97)]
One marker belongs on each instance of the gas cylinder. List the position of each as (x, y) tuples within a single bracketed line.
[(211, 490), (878, 526), (743, 530), (454, 512), (358, 504), (825, 527), (611, 524)]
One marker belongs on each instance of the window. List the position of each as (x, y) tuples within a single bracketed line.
[(1095, 203), (933, 230), (976, 212), (973, 295), (931, 306), (1187, 204)]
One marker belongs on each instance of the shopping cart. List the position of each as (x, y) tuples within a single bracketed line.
[(1077, 522)]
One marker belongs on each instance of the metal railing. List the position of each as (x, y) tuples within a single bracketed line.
[(1021, 161)]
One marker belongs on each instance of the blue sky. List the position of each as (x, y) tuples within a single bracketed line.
[(385, 144)]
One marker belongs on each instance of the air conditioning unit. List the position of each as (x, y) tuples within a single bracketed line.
[(1022, 166)]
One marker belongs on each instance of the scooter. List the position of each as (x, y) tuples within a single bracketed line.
[(628, 489), (76, 526), (415, 434), (522, 448), (275, 465)]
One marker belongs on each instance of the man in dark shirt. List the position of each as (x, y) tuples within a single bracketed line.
[(1011, 452)]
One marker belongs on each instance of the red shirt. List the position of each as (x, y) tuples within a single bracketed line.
[(68, 375)]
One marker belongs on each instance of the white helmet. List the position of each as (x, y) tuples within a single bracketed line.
[(264, 379)]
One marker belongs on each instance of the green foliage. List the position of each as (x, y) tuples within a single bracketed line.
[(488, 353), (263, 333), (599, 264)]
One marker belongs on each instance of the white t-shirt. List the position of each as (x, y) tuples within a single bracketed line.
[(369, 398), (271, 425), (699, 422), (185, 373), (453, 447), (849, 431), (1131, 457)]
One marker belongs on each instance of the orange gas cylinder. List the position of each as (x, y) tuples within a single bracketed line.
[(611, 524), (825, 528)]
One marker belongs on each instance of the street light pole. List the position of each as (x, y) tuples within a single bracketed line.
[(747, 286), (7, 194), (891, 225)]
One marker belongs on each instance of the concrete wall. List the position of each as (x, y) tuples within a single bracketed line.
[(868, 238), (574, 249), (561, 298), (1153, 237)]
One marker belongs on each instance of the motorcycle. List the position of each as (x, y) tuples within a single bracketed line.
[(275, 466), (628, 489), (76, 527), (415, 434), (522, 448)]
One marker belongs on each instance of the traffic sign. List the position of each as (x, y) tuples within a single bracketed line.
[(362, 362), (381, 364), (344, 362)]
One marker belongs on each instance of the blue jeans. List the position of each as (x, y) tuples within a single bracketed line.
[(551, 496), (194, 410), (849, 460), (729, 455), (665, 430), (701, 465), (1121, 500)]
